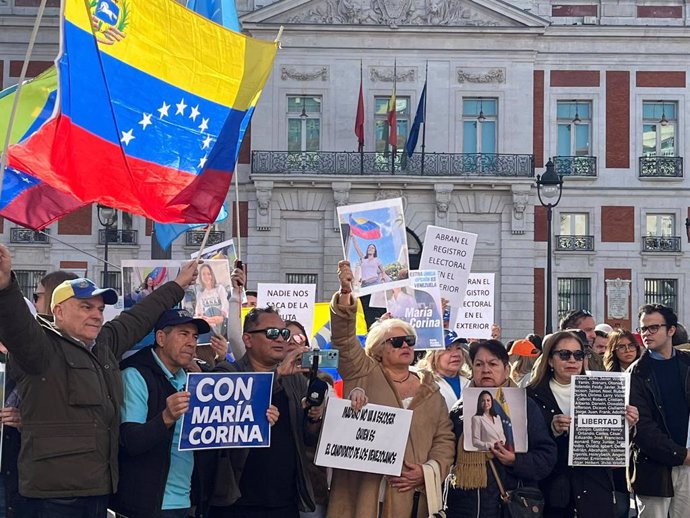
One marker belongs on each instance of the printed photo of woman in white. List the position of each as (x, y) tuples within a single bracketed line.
[(212, 300), (487, 428)]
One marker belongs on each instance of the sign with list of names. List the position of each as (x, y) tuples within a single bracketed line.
[(598, 430)]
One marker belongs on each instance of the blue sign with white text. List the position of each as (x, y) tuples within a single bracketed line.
[(227, 410)]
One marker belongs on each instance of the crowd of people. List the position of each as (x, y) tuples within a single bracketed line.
[(90, 426)]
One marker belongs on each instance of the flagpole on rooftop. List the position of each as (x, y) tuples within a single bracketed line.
[(361, 100), (22, 78), (393, 120), (426, 79)]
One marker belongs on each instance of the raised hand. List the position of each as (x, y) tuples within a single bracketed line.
[(188, 274)]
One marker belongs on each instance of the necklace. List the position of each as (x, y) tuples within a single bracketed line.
[(409, 373)]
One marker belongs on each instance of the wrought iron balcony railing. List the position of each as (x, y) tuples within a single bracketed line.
[(661, 167), (196, 237), (27, 236), (117, 237), (575, 165), (572, 243), (661, 243), (370, 163)]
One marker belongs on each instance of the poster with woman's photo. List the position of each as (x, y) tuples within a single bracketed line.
[(141, 278), (420, 306), (374, 239), (495, 415), (208, 298)]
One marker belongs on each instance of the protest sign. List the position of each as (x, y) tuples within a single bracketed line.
[(293, 301), (372, 440), (420, 306), (142, 277), (495, 415), (227, 410), (374, 239), (210, 297), (598, 430), (476, 315), (224, 250)]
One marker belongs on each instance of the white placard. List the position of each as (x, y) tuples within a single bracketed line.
[(293, 301), (449, 252), (374, 239), (372, 440), (598, 430), (477, 312)]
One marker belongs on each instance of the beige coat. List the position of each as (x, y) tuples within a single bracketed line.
[(355, 494)]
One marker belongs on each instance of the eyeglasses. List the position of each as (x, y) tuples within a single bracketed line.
[(652, 330), (272, 333), (626, 347), (298, 339), (398, 341), (565, 355), (37, 296)]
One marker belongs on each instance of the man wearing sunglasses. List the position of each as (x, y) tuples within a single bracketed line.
[(660, 388), (269, 482)]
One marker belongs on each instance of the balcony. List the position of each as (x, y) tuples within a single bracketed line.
[(352, 163), (575, 165), (661, 243), (20, 235), (196, 237), (117, 237), (572, 243), (661, 167)]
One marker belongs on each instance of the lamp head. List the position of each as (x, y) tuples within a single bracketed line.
[(549, 184)]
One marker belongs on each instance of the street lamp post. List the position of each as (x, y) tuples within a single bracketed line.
[(549, 187), (105, 218)]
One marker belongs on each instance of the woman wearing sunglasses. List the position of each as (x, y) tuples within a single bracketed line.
[(472, 489), (569, 491), (380, 373)]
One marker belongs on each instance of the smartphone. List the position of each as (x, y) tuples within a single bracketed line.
[(328, 358)]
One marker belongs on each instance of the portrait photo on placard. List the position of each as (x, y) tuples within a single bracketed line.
[(495, 415), (142, 277), (211, 295)]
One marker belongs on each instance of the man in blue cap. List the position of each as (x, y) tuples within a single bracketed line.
[(70, 387)]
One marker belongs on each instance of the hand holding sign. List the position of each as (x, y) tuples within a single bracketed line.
[(632, 415), (175, 405), (561, 423), (504, 455), (272, 414), (412, 477), (188, 274)]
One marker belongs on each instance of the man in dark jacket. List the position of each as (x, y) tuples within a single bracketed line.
[(155, 477), (70, 387), (660, 389), (269, 482)]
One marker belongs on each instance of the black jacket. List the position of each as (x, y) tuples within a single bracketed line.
[(145, 447), (587, 490), (654, 452)]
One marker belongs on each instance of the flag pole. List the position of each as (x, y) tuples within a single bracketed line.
[(361, 148), (395, 119), (426, 84), (22, 78)]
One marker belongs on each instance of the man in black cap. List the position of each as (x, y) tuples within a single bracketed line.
[(155, 476)]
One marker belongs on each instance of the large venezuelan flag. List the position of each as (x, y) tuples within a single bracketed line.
[(23, 198), (152, 100)]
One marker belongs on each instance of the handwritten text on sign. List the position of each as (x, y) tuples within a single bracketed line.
[(227, 410), (372, 440)]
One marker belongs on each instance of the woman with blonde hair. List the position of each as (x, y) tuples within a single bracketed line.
[(380, 373)]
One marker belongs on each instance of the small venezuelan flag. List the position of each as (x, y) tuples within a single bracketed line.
[(152, 101), (365, 229)]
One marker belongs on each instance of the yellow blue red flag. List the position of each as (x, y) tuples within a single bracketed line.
[(152, 101)]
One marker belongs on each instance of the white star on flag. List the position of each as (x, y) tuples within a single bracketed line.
[(180, 107), (195, 113), (202, 162), (25, 179), (163, 110), (145, 121), (204, 124), (207, 142), (127, 136)]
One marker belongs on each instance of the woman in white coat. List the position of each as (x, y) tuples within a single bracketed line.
[(487, 428)]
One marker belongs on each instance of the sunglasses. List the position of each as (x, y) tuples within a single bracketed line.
[(626, 347), (398, 341), (272, 333), (565, 355)]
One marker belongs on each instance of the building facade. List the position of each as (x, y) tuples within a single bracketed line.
[(599, 88)]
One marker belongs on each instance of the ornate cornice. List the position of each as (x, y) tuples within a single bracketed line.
[(303, 74), (474, 75)]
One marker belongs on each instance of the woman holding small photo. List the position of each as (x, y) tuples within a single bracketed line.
[(380, 373)]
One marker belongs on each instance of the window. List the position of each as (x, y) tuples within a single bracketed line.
[(28, 280), (479, 125), (659, 128), (113, 280), (574, 128), (660, 225), (301, 278), (402, 114), (304, 123), (661, 291), (574, 224), (573, 293)]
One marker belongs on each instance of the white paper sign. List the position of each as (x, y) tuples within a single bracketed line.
[(476, 315), (293, 301), (372, 440)]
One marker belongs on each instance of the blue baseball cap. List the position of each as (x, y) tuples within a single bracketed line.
[(81, 288), (177, 317), (450, 337)]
